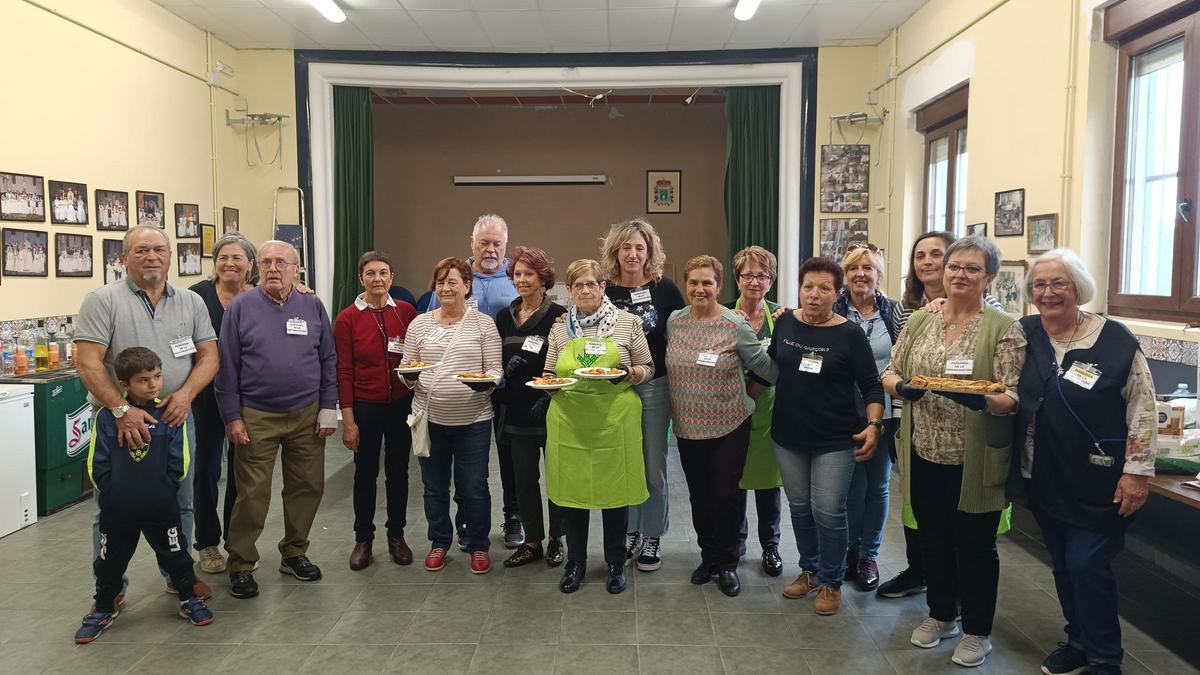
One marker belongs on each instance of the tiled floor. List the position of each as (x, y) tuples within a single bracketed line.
[(404, 619)]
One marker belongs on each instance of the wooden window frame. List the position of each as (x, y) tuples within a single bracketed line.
[(1183, 304), (942, 118)]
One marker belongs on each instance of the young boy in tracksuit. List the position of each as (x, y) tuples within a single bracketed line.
[(137, 496)]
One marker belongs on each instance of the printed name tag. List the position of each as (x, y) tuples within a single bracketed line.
[(182, 346), (640, 296), (1101, 460), (811, 363), (594, 348), (297, 327), (707, 359), (960, 366), (395, 346), (1082, 374), (534, 344), (435, 335)]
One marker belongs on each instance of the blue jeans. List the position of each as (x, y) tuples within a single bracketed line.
[(461, 450), (651, 516), (186, 514), (816, 485), (1086, 585), (867, 503), (208, 454)]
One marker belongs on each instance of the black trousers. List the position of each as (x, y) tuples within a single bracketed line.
[(527, 452), (575, 527), (508, 482), (119, 540), (211, 448), (958, 549), (768, 506), (386, 425), (713, 469)]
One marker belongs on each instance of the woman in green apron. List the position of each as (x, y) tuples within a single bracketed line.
[(594, 428), (754, 270)]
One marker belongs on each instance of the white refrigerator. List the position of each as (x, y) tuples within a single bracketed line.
[(18, 477)]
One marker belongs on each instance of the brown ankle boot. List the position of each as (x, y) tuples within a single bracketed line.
[(399, 550), (360, 557)]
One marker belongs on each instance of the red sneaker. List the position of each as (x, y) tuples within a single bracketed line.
[(481, 562), (436, 559)]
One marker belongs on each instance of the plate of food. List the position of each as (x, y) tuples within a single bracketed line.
[(415, 367), (957, 386), (476, 377), (599, 373), (551, 383)]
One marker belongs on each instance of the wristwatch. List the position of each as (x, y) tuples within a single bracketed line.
[(876, 422), (119, 411)]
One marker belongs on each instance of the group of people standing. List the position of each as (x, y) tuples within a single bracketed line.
[(818, 401)]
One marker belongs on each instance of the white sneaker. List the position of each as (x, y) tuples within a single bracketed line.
[(211, 561), (931, 631), (972, 650)]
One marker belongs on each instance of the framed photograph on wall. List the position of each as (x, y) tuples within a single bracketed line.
[(25, 253), (112, 210), (1043, 233), (1008, 284), (68, 203), (1010, 213), (663, 191), (22, 197), (978, 229), (838, 233), (187, 221), (845, 178), (229, 220), (114, 266), (151, 209), (208, 239), (189, 259), (73, 255)]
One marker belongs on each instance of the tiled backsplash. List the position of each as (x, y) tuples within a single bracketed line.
[(11, 329), (1170, 349)]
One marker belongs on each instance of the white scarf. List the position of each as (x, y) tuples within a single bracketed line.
[(604, 318)]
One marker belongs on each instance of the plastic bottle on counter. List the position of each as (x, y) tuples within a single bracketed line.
[(6, 355), (66, 335), (41, 347), (55, 359), (20, 357), (1181, 391)]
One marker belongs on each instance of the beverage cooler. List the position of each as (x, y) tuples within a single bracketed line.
[(62, 430), (18, 492)]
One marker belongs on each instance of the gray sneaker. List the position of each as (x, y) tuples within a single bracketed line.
[(972, 650), (514, 532), (931, 631)]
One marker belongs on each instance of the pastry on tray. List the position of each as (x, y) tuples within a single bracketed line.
[(956, 385)]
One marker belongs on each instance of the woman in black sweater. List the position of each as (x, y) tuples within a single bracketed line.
[(523, 329)]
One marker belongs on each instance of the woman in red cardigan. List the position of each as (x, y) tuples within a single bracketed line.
[(369, 336)]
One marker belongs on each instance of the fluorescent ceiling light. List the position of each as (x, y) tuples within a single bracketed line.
[(330, 10), (745, 9)]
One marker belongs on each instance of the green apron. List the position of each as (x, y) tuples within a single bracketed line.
[(594, 435), (761, 472)]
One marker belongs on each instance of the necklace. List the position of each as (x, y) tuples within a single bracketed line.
[(816, 323)]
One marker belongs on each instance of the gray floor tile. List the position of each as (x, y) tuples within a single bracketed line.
[(226, 628), (445, 627), (431, 658), (524, 628), (681, 660), (22, 657), (745, 630), (100, 658), (599, 628), (753, 598), (917, 661), (669, 597), (502, 660), (461, 597), (320, 597), (348, 659), (674, 628), (829, 632), (264, 659), (759, 660), (526, 597), (369, 628), (295, 628), (856, 662), (595, 659), (591, 597), (391, 598), (198, 659)]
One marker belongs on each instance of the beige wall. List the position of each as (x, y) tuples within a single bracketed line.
[(421, 217), (115, 95)]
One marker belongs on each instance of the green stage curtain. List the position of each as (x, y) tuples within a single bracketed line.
[(751, 173), (354, 190)]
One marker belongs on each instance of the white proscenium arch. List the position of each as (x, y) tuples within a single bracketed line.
[(322, 77)]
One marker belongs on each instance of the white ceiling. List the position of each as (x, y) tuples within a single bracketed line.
[(542, 26)]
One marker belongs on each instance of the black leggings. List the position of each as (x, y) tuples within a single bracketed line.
[(575, 526)]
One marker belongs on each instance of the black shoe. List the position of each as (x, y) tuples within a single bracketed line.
[(728, 582), (1066, 660), (572, 576), (242, 585), (526, 554), (851, 572), (514, 532), (907, 582), (555, 553), (616, 578), (772, 564), (704, 573), (300, 567)]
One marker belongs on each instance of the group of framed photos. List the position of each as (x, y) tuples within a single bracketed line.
[(26, 253), (1011, 221), (845, 188)]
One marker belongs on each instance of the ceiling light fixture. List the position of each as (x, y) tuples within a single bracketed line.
[(330, 10), (745, 9)]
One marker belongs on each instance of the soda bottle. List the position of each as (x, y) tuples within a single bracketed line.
[(41, 347)]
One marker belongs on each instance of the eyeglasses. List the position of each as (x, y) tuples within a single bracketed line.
[(760, 278), (585, 286), (867, 245), (275, 264), (1059, 286), (969, 270)]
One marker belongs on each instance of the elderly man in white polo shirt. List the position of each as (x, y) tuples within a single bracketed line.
[(143, 310)]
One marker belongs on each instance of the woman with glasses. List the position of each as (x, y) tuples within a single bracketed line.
[(631, 258), (1089, 431), (754, 269), (954, 448), (593, 428), (866, 306)]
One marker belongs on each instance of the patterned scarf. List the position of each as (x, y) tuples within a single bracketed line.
[(604, 318)]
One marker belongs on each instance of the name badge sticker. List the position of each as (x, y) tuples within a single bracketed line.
[(435, 335), (533, 344), (395, 346), (593, 348), (960, 366), (1082, 374), (297, 326), (811, 363), (640, 296), (183, 346), (707, 359)]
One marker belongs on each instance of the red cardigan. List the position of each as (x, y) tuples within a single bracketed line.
[(366, 370)]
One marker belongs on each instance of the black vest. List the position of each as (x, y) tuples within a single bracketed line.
[(1065, 483)]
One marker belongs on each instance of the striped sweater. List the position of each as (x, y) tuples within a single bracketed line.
[(627, 334), (470, 346)]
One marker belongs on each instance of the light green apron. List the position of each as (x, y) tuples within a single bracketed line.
[(761, 472), (594, 435)]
